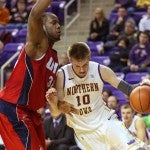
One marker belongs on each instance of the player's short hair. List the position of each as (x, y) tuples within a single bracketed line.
[(79, 51), (47, 15), (126, 106)]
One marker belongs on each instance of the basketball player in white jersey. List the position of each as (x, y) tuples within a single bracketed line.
[(79, 90), (133, 123)]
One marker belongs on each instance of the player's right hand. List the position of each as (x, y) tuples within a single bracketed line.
[(145, 82)]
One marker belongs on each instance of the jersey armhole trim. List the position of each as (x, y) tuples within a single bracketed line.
[(64, 77), (100, 73)]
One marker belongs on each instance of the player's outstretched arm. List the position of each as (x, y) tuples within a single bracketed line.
[(109, 76), (36, 37)]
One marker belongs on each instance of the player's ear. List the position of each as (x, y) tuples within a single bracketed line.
[(89, 57), (44, 28)]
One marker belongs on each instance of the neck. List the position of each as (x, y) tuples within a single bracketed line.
[(127, 124), (50, 42)]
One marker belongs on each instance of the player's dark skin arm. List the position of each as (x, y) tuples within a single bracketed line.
[(37, 41)]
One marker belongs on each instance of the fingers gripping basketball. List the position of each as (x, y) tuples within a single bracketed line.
[(140, 99)]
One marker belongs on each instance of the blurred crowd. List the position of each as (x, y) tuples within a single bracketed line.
[(124, 35)]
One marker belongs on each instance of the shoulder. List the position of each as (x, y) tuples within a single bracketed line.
[(62, 71), (139, 122), (94, 65), (35, 51)]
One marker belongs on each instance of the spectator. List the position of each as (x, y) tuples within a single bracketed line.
[(144, 23), (120, 55), (129, 32), (105, 94), (113, 103), (59, 136), (20, 13), (99, 27), (64, 60), (5, 37), (141, 4), (10, 5), (139, 57), (4, 14), (133, 123), (128, 4), (117, 25), (1, 46), (30, 4)]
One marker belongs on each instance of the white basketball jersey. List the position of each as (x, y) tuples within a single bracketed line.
[(132, 128), (86, 95)]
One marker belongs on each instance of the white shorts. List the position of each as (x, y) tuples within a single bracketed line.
[(111, 135)]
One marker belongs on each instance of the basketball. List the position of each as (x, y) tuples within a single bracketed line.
[(140, 99)]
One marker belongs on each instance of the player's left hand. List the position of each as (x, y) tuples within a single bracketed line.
[(51, 97)]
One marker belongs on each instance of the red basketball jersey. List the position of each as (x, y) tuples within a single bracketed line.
[(30, 80)]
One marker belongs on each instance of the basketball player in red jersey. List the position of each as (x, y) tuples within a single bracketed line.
[(24, 92)]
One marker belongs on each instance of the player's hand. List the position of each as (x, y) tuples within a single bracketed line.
[(145, 82), (51, 97), (67, 108)]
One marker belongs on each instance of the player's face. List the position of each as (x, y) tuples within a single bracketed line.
[(127, 115), (52, 28), (80, 67)]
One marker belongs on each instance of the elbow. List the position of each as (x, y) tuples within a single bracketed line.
[(34, 14)]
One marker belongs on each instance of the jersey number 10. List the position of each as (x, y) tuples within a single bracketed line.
[(85, 99)]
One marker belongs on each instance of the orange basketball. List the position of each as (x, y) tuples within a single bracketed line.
[(140, 99)]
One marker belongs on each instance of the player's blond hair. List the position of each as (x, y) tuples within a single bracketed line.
[(79, 51), (126, 106)]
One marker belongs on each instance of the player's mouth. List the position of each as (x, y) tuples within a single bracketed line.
[(58, 32)]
